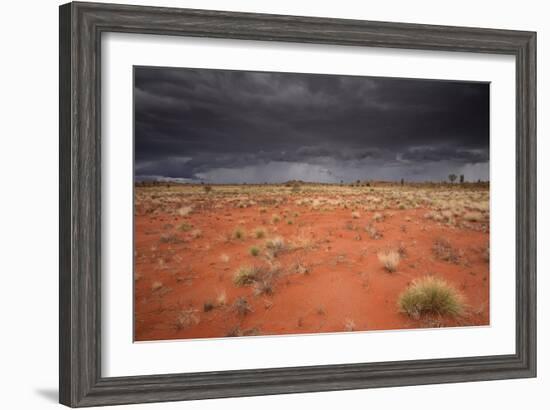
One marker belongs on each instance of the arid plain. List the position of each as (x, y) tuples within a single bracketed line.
[(295, 258)]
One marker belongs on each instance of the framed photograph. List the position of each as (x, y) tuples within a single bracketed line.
[(262, 204)]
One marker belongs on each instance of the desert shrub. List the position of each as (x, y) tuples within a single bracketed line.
[(245, 275), (372, 232), (208, 306), (207, 188), (378, 217), (473, 216), (275, 245), (264, 285), (234, 332), (254, 251), (238, 233), (259, 233), (275, 218), (431, 295), (196, 233), (443, 250), (241, 306), (300, 268), (434, 216), (390, 259), (156, 286), (221, 299), (186, 318), (429, 215), (184, 210), (302, 242), (169, 238), (272, 270), (185, 227), (402, 250), (447, 215), (237, 332)]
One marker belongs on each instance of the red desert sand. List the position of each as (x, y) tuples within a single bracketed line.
[(243, 260)]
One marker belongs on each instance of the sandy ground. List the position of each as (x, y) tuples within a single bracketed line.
[(327, 279)]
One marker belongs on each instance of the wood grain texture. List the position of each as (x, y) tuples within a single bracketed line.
[(81, 26)]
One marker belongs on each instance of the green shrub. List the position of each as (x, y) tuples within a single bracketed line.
[(431, 295)]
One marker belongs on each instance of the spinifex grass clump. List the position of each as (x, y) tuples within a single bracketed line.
[(245, 275), (431, 295), (259, 233), (238, 233)]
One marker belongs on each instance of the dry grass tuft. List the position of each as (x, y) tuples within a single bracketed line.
[(300, 268), (372, 231), (241, 306), (221, 299), (378, 217), (238, 332), (275, 245), (185, 227), (246, 275), (390, 259), (169, 238), (186, 318), (349, 325), (443, 250), (184, 210), (156, 286), (259, 233), (264, 285), (196, 233), (473, 216), (431, 295), (238, 233)]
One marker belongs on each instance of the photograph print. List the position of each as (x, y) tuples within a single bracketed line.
[(272, 203)]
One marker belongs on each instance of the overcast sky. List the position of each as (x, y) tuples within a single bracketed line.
[(220, 126)]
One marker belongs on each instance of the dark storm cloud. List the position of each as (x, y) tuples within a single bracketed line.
[(236, 126)]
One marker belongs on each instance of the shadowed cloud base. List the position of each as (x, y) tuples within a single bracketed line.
[(218, 126)]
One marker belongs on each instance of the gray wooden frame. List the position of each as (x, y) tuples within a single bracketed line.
[(80, 380)]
